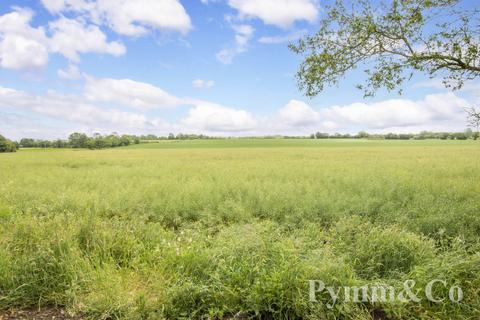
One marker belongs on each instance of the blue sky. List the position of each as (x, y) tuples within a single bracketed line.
[(219, 67)]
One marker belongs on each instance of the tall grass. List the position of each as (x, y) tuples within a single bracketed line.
[(212, 232)]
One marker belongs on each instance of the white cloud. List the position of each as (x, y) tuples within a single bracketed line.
[(130, 93), (21, 46), (19, 52), (135, 17), (281, 13), (440, 112), (70, 73), (283, 39), (128, 17), (243, 34), (298, 113), (72, 109), (380, 115), (399, 112), (16, 127), (71, 37), (207, 116), (200, 83), (55, 6)]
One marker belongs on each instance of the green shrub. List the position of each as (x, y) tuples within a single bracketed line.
[(7, 145)]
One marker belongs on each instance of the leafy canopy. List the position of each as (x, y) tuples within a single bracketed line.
[(392, 39), (7, 145)]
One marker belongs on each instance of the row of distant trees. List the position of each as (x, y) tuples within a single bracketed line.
[(467, 134), (81, 140), (179, 136), (98, 141)]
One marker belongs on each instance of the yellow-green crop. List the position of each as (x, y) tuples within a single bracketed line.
[(216, 228)]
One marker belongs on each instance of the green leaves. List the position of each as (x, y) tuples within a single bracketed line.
[(7, 145), (396, 38)]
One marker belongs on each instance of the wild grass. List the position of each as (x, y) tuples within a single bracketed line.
[(213, 229)]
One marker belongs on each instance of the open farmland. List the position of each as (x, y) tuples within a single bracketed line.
[(214, 229)]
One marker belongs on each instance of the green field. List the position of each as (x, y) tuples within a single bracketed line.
[(215, 228)]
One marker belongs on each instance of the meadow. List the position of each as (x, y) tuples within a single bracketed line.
[(234, 229)]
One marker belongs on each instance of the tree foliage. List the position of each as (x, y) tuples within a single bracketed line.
[(7, 145), (423, 135), (81, 140), (392, 39), (473, 117), (98, 141)]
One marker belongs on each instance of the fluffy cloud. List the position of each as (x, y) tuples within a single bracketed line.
[(20, 126), (72, 109), (399, 112), (129, 93), (380, 115), (133, 17), (207, 116), (199, 83), (243, 34), (298, 113), (21, 46), (281, 13), (18, 52), (204, 116), (71, 37), (434, 112), (128, 17)]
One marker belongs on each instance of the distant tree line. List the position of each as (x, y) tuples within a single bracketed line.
[(98, 141), (81, 140), (467, 134), (7, 145), (179, 136)]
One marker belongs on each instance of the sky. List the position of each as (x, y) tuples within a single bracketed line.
[(217, 67)]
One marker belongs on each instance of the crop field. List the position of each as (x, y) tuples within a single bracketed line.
[(236, 229)]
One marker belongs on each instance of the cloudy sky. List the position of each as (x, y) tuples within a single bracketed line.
[(219, 67)]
